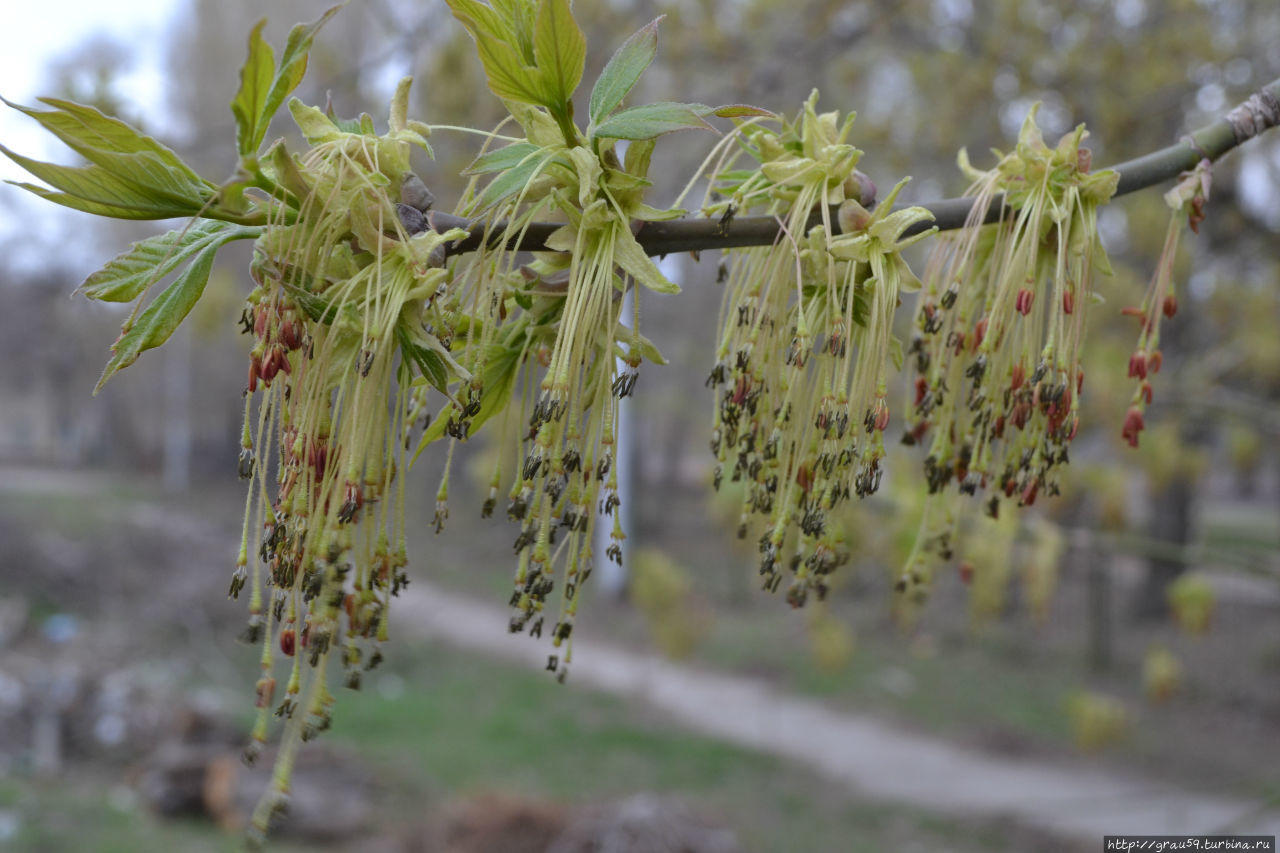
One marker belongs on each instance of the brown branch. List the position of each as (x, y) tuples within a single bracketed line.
[(1259, 113)]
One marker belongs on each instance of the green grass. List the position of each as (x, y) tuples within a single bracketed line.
[(465, 726), (84, 814)]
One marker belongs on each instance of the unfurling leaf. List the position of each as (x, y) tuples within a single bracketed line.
[(162, 317), (650, 120), (126, 276), (263, 86), (560, 49), (623, 71)]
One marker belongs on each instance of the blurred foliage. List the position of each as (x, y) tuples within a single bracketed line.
[(1191, 598), (662, 590), (1097, 720), (1162, 674)]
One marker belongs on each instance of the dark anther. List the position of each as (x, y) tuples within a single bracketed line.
[(726, 219)]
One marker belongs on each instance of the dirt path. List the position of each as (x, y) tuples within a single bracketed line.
[(871, 756)]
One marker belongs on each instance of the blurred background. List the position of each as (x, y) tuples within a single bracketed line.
[(1113, 660)]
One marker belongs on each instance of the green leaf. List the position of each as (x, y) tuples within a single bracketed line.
[(429, 364), (479, 19), (316, 127), (162, 316), (499, 379), (263, 86), (742, 111), (509, 77), (637, 157), (286, 172), (650, 120), (140, 185), (255, 82), (125, 277), (560, 50), (509, 182), (501, 158), (623, 70), (640, 345), (630, 255), (91, 134), (96, 208)]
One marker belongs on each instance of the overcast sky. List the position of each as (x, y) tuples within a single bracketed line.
[(36, 33)]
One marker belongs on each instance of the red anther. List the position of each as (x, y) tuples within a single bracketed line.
[(804, 478), (288, 641), (997, 429), (266, 690), (1010, 486), (1132, 426), (1145, 391), (1024, 300), (979, 332), (1075, 425), (253, 374), (882, 417), (291, 334), (1138, 365), (922, 388), (260, 320), (966, 572), (1029, 494), (1170, 305), (1020, 414), (318, 457), (1068, 301), (1133, 311), (1154, 360), (1084, 162), (1080, 382), (1017, 377)]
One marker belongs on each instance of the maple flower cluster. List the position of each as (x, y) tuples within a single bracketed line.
[(996, 346), (805, 345), (1186, 200)]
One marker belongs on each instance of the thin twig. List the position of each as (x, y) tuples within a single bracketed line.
[(1259, 113)]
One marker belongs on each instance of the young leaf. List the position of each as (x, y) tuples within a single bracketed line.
[(263, 86), (650, 120), (741, 111), (98, 190), (501, 158), (429, 364), (255, 82), (623, 70), (509, 77), (479, 19), (91, 134), (162, 316), (560, 50), (499, 380), (125, 277), (509, 182), (629, 254)]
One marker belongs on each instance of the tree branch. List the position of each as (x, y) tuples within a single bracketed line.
[(1259, 113)]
